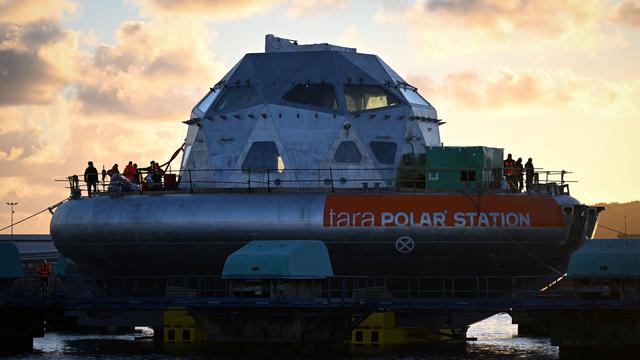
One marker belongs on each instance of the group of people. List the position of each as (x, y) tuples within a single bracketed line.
[(131, 173), (514, 172)]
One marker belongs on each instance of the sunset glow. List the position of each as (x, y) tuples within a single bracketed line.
[(112, 81)]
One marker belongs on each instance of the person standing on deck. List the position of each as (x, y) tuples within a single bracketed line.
[(113, 171), (508, 168), (529, 170), (129, 172), (518, 174), (44, 270), (91, 178), (136, 174)]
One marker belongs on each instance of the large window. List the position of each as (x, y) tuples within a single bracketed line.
[(263, 155), (347, 152), (384, 151), (320, 95), (237, 97), (208, 100), (413, 97), (367, 97)]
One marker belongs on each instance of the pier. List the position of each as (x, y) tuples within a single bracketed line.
[(225, 312)]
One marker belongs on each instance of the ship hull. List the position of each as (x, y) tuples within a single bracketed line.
[(366, 234)]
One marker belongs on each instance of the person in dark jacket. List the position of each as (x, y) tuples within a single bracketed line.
[(91, 178), (113, 171), (136, 174), (518, 174), (529, 171)]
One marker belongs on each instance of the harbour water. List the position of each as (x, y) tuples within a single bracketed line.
[(496, 339)]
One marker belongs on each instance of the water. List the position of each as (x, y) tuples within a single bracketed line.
[(496, 340)]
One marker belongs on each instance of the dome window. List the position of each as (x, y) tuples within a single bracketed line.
[(384, 151), (413, 97), (368, 97), (318, 95), (237, 97), (262, 156), (348, 153), (204, 105)]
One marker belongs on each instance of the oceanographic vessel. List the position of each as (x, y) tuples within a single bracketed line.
[(324, 143)]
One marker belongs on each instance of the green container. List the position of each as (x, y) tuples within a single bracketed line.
[(451, 168)]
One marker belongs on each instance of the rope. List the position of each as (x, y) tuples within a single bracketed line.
[(614, 230), (34, 215), (168, 163)]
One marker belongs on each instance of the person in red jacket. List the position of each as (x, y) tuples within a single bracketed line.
[(44, 270), (509, 171), (130, 172)]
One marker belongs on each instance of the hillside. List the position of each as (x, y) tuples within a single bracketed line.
[(613, 218)]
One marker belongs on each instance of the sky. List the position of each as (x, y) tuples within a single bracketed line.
[(112, 81)]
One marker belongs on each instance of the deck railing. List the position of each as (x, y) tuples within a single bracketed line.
[(404, 179)]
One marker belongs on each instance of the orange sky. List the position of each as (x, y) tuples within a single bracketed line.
[(111, 81)]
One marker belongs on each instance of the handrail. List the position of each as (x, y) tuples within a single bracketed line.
[(403, 179)]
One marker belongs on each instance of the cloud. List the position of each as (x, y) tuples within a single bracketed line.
[(441, 29), (18, 144), (31, 35), (352, 37), (61, 105), (552, 17), (25, 11), (627, 12), (501, 88), (22, 188), (228, 10), (506, 88), (156, 70), (26, 78), (205, 9), (41, 32), (34, 61), (314, 7), (13, 154), (49, 154)]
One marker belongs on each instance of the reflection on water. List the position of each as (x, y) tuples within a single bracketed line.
[(496, 340)]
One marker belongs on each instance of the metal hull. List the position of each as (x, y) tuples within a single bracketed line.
[(194, 233)]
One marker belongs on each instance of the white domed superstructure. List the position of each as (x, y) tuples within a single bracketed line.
[(296, 111)]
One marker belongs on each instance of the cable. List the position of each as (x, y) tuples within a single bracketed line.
[(510, 238), (610, 229), (34, 215)]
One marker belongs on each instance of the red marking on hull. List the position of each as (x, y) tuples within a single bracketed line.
[(382, 210)]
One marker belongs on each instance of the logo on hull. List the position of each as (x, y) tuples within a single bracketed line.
[(441, 211), (405, 245)]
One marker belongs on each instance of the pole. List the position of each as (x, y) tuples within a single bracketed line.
[(12, 204), (625, 226)]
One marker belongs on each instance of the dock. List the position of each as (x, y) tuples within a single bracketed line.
[(212, 313), (282, 296)]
